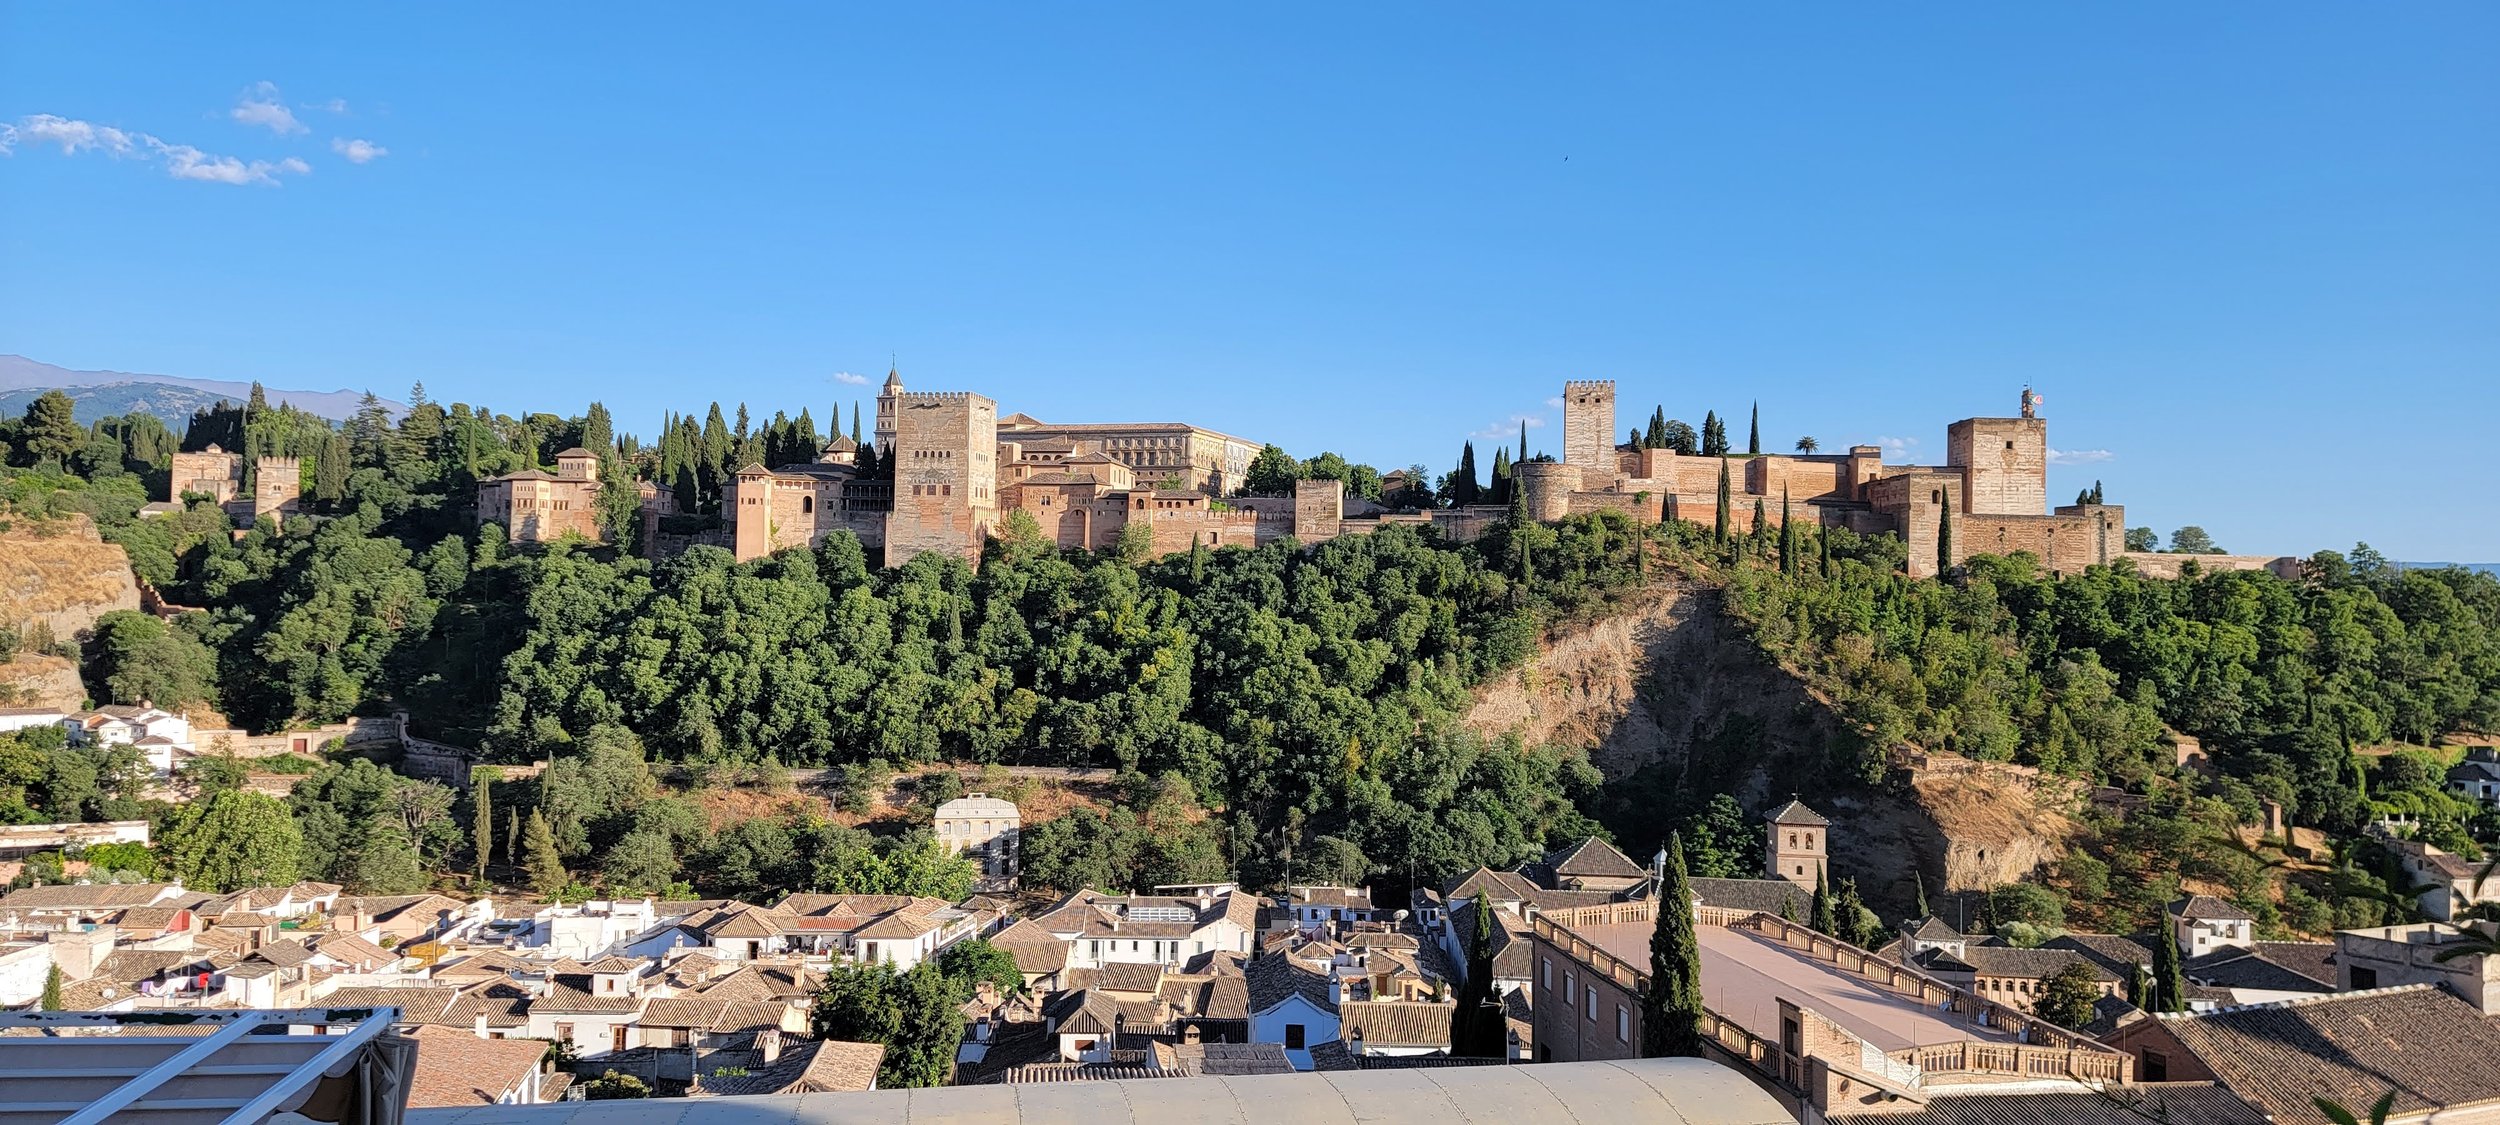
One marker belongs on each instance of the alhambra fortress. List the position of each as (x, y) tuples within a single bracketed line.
[(958, 469)]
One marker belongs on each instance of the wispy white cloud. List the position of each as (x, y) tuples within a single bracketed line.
[(77, 136), (1509, 427), (334, 105), (260, 106), (358, 151), (182, 162), (852, 377), (1896, 446), (2079, 456)]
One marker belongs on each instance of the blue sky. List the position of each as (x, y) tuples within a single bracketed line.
[(2249, 254)]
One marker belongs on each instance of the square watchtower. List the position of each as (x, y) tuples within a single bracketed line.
[(1589, 426)]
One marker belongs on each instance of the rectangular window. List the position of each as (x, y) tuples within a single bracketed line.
[(1545, 971), (1591, 1005), (2156, 1067), (1293, 1037), (1569, 994), (1623, 1024)]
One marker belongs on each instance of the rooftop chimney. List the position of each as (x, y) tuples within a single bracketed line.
[(768, 1045)]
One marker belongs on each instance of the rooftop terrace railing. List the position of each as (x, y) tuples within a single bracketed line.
[(2041, 1049)]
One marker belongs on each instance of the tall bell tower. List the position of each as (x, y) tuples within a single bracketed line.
[(1799, 845)]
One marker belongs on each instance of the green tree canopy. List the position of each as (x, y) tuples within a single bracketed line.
[(233, 840)]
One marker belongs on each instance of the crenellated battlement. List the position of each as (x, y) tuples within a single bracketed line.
[(934, 396)]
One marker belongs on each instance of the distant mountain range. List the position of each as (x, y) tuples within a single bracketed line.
[(100, 394)]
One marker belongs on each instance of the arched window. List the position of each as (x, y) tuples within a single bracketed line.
[(807, 503)]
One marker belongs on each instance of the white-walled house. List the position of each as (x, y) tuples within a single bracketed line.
[(1319, 907), (984, 828), (161, 736), (27, 718), (1291, 1006), (2203, 924), (593, 1025), (2477, 778), (590, 930), (24, 966), (2452, 885), (1103, 929)]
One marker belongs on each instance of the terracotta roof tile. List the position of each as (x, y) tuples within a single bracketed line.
[(2433, 1049), (456, 1068)]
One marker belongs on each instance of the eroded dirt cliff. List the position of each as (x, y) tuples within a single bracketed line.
[(1674, 685), (56, 577)]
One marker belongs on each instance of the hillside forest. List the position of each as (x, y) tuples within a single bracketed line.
[(1282, 713)]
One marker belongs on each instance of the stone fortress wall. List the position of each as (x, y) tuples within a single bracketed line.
[(959, 470), (277, 492), (1993, 487)]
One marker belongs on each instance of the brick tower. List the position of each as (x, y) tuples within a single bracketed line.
[(1797, 850), (2004, 463), (945, 472), (1589, 430), (886, 405)]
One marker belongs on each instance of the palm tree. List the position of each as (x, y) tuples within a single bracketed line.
[(1807, 444), (2341, 1116)]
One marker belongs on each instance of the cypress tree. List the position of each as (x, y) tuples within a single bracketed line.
[(1823, 543), (1464, 490), (2139, 984), (1713, 435), (1761, 522), (1519, 531), (329, 484), (1944, 538), (1826, 910), (2169, 978), (1478, 1029), (51, 1001), (1671, 1007), (1657, 436), (1501, 477), (1788, 538), (1197, 561), (598, 430), (1753, 439), (546, 867), (1718, 530), (1523, 443), (482, 821)]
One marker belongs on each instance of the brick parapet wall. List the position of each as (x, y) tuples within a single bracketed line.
[(2154, 564), (2047, 1050)]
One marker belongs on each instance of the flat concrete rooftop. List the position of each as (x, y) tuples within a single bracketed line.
[(1629, 1092), (1743, 977)]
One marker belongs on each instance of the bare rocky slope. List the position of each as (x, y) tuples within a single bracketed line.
[(1675, 684), (56, 577), (36, 680)]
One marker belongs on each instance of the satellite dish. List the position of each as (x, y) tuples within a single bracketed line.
[(1400, 916)]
